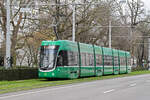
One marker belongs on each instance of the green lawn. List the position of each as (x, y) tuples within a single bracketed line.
[(12, 86)]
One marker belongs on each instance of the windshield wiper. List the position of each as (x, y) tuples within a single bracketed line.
[(44, 68)]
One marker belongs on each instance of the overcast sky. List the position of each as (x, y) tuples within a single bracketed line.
[(147, 3)]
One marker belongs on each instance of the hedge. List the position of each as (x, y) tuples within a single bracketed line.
[(21, 73), (18, 74), (139, 68)]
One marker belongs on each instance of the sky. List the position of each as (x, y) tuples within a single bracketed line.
[(147, 3), (147, 6)]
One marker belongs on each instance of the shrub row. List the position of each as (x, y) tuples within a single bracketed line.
[(22, 73), (18, 74), (139, 68)]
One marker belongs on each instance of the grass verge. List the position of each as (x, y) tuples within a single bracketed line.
[(14, 86)]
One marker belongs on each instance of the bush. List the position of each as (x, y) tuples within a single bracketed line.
[(18, 74), (139, 68)]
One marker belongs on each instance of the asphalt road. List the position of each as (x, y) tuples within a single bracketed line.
[(127, 88)]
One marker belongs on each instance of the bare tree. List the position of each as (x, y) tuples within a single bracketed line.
[(18, 19)]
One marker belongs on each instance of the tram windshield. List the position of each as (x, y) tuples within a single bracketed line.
[(48, 57)]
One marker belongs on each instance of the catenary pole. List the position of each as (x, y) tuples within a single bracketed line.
[(8, 43), (110, 34), (74, 23), (149, 53)]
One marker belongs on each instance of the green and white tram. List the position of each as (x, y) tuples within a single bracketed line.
[(67, 59)]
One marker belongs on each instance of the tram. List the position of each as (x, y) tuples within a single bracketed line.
[(67, 59)]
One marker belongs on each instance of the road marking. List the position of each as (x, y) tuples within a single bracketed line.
[(50, 89), (109, 91), (70, 86), (133, 84)]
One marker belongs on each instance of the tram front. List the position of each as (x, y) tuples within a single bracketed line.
[(48, 55)]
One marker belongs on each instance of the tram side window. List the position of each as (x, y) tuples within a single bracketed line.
[(62, 59), (76, 58), (108, 60), (129, 62), (105, 60), (98, 60), (83, 58), (67, 58), (72, 58), (87, 59), (91, 60), (116, 63), (123, 61)]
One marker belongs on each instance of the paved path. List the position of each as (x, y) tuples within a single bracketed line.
[(127, 88)]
